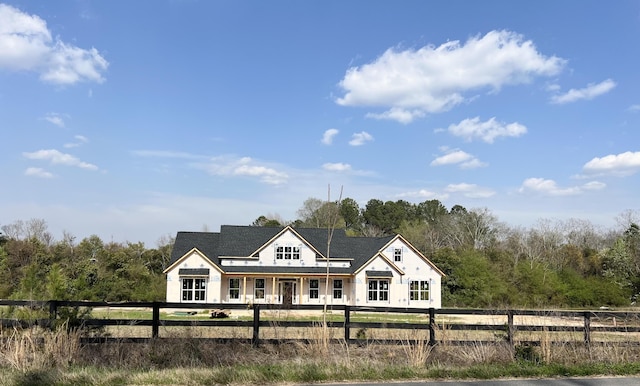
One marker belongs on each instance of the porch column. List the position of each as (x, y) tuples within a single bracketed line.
[(273, 291), (301, 290), (244, 289)]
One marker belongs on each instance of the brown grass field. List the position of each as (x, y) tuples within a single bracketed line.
[(317, 349)]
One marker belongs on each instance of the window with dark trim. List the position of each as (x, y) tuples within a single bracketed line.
[(234, 288), (194, 289), (337, 288), (314, 289), (378, 290), (287, 253), (397, 254), (419, 290), (258, 289)]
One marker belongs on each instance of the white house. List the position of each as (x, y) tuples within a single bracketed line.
[(286, 265)]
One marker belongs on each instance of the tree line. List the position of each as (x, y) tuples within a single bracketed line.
[(34, 266), (555, 263), (560, 263)]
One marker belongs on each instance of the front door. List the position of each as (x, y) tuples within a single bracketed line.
[(287, 293)]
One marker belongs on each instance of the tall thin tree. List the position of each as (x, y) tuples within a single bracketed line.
[(333, 216)]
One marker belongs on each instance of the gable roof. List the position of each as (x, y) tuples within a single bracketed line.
[(245, 241), (205, 242)]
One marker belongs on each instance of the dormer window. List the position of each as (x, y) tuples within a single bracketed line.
[(287, 253)]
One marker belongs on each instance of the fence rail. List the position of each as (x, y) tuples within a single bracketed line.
[(621, 327)]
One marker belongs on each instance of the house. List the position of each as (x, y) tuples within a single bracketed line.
[(287, 265)]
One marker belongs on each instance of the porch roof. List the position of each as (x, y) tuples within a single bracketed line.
[(289, 271)]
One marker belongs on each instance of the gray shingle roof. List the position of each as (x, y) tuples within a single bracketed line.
[(194, 271), (242, 241), (379, 274)]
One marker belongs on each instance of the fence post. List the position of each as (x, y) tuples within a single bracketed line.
[(155, 324), (347, 323), (587, 327), (53, 313), (255, 340), (510, 327), (432, 326)]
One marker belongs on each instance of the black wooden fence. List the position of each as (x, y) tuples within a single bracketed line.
[(623, 326)]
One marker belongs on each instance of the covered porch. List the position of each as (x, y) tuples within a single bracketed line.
[(287, 289)]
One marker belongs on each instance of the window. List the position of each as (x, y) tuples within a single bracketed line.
[(419, 290), (397, 254), (258, 289), (378, 290), (288, 253), (337, 289), (234, 288), (193, 289), (314, 289)]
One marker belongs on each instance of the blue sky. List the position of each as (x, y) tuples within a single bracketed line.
[(134, 120)]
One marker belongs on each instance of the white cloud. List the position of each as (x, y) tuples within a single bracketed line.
[(413, 82), (55, 119), (359, 139), (225, 166), (470, 190), (634, 108), (487, 131), (327, 137), (80, 140), (423, 194), (623, 164), (457, 157), (37, 172), (26, 45), (246, 167), (553, 87), (56, 157), (589, 92), (267, 175), (337, 167), (398, 114), (594, 185), (550, 187)]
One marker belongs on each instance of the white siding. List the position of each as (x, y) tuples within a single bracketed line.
[(193, 260), (414, 268), (355, 289)]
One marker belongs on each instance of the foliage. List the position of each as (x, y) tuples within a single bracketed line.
[(487, 264), (90, 270)]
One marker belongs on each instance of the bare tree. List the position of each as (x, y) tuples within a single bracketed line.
[(369, 230), (626, 218), (308, 212), (330, 228), (583, 234), (15, 230)]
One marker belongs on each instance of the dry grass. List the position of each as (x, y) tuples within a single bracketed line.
[(416, 347), (46, 357), (320, 354), (35, 348)]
